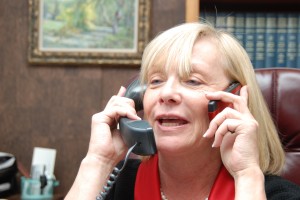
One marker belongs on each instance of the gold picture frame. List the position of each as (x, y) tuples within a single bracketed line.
[(88, 31)]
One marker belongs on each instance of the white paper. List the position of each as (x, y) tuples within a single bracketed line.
[(43, 161)]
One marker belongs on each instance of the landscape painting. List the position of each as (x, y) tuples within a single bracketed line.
[(88, 31)]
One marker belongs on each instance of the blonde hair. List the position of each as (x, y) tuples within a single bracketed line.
[(175, 46)]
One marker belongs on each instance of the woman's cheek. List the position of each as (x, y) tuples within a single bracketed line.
[(147, 107)]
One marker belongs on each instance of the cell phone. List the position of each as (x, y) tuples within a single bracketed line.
[(137, 131), (216, 106)]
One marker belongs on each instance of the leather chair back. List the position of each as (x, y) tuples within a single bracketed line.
[(281, 89)]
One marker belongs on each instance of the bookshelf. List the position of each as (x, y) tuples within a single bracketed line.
[(268, 29)]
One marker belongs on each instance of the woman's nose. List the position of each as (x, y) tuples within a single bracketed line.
[(170, 93)]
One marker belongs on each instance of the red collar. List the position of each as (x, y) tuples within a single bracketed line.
[(147, 184)]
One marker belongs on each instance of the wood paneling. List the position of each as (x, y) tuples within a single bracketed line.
[(253, 1), (51, 106)]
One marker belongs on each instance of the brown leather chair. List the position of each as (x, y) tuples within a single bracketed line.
[(281, 89)]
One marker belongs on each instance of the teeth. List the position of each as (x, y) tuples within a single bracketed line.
[(168, 118), (169, 121), (170, 124)]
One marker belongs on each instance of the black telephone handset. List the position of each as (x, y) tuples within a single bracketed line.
[(137, 131), (216, 106)]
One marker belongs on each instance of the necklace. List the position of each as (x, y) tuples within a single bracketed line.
[(163, 196)]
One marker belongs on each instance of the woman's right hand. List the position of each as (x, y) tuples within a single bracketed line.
[(106, 143), (106, 148)]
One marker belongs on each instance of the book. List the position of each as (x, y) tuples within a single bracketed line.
[(249, 41), (239, 30), (260, 40), (230, 23), (270, 35), (210, 17), (298, 41), (281, 40), (221, 20), (292, 23)]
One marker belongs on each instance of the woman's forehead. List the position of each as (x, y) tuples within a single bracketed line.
[(168, 68), (185, 61)]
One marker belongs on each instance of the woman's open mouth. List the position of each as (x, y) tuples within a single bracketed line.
[(171, 121)]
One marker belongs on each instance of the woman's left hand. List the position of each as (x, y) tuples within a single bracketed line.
[(235, 131)]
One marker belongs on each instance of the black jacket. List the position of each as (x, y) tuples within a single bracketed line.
[(276, 187)]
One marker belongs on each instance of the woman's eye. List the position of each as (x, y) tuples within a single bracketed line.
[(193, 82), (155, 81)]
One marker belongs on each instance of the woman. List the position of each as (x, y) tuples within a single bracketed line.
[(236, 155)]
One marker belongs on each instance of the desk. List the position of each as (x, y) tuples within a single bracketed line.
[(18, 197)]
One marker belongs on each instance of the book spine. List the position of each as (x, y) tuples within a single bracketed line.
[(239, 31), (221, 21), (292, 40), (281, 40), (202, 16), (230, 23), (260, 40), (250, 35), (208, 17), (298, 41), (270, 35)]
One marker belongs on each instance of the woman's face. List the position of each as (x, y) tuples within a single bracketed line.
[(176, 107)]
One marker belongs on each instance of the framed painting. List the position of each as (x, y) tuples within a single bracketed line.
[(88, 31)]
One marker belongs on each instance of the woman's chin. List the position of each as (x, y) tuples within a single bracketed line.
[(171, 144)]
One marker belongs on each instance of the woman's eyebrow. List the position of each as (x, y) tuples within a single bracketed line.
[(198, 68)]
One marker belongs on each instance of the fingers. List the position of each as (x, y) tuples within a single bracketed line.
[(230, 119), (106, 144), (121, 91), (118, 106), (239, 102), (226, 121), (234, 127), (244, 92), (104, 137)]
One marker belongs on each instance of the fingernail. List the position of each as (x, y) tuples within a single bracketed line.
[(121, 91), (139, 118), (213, 145)]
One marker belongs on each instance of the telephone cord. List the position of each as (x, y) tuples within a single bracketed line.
[(113, 176)]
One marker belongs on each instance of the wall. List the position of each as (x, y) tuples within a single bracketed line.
[(51, 106)]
